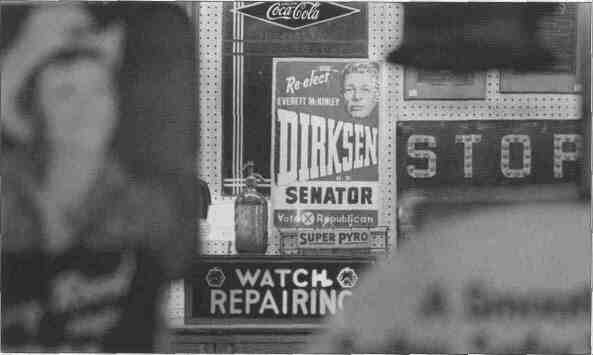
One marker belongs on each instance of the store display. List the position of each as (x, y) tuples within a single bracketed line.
[(247, 65), (358, 184)]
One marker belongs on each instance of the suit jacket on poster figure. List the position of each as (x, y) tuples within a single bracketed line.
[(482, 277)]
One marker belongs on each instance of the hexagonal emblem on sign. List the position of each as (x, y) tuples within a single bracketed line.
[(347, 277), (215, 277)]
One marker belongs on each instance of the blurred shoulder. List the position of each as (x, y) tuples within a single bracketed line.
[(149, 214), (133, 209), (20, 219)]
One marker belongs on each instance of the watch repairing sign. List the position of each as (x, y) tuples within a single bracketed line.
[(271, 288), (325, 143)]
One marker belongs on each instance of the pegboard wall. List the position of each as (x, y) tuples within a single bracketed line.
[(385, 27), (207, 19), (495, 106), (385, 34), (175, 305), (385, 30), (210, 92)]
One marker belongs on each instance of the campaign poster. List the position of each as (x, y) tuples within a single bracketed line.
[(325, 140)]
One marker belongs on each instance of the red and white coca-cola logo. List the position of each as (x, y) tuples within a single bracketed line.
[(305, 10)]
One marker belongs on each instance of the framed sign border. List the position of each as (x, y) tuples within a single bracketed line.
[(384, 144), (470, 91), (570, 81), (263, 322)]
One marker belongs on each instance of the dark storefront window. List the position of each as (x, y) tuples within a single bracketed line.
[(249, 46)]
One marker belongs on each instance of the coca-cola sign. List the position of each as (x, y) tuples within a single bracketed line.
[(295, 15)]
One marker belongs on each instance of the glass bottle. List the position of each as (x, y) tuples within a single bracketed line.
[(251, 217)]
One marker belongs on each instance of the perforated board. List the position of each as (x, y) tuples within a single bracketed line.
[(385, 28), (385, 31), (385, 34), (496, 106), (175, 304), (207, 19), (210, 92)]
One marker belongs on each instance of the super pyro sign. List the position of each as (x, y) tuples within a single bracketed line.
[(325, 143)]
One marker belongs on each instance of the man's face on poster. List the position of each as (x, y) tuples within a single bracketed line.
[(360, 94)]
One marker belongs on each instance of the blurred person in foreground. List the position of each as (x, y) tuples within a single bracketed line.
[(88, 244), (505, 270), (488, 270)]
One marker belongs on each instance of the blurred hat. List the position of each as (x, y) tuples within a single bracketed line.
[(31, 39), (472, 37)]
